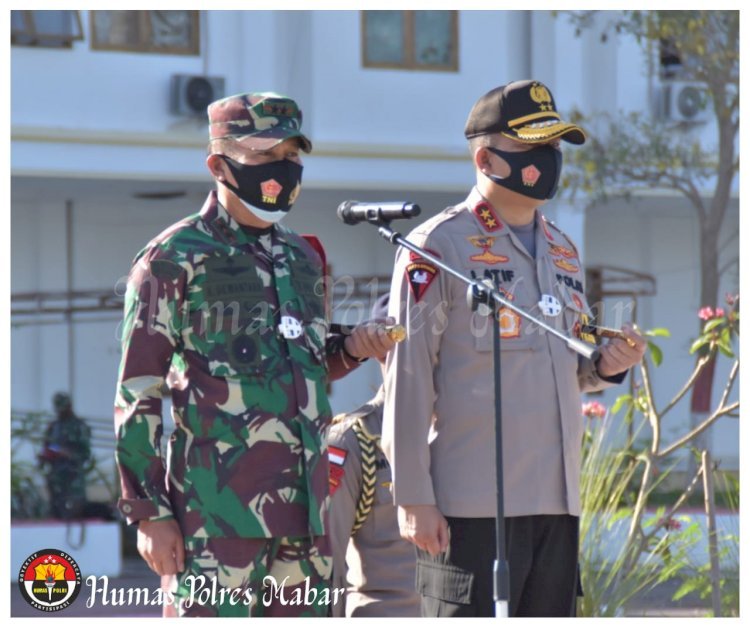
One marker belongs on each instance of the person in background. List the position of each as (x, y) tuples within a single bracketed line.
[(371, 561), (65, 454)]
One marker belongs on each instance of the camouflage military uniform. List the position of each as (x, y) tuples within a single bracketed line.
[(67, 448), (371, 561), (235, 324)]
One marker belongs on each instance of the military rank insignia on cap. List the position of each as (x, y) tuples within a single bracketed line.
[(524, 111)]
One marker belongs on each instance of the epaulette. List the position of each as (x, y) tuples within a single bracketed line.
[(339, 418), (548, 223)]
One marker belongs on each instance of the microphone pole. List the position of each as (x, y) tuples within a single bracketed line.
[(481, 293), (478, 287)]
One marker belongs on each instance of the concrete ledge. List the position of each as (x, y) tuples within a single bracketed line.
[(94, 544)]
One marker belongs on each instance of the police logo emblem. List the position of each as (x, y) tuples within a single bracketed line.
[(49, 580)]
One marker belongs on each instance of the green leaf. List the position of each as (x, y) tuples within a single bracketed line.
[(725, 348), (656, 354), (658, 331), (713, 324), (620, 402), (699, 343)]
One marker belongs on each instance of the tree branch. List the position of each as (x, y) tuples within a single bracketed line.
[(699, 430), (730, 383), (652, 417), (699, 366), (680, 501)]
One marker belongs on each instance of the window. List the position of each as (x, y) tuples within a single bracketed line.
[(165, 32), (413, 40), (47, 29)]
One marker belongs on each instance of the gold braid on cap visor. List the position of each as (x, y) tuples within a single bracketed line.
[(547, 131)]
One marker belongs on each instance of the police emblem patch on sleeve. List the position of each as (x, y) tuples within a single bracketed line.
[(420, 274)]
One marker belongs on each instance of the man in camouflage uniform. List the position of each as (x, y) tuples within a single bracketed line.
[(371, 561), (438, 425), (66, 450), (227, 308)]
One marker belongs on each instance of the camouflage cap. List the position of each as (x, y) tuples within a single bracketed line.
[(266, 116), (523, 111)]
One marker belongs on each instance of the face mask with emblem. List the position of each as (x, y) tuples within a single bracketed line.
[(534, 173), (268, 191)]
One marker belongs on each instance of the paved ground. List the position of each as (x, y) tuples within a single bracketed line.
[(656, 603)]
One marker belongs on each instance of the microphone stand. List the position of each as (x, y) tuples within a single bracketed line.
[(481, 293)]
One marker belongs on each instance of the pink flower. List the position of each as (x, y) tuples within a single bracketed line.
[(706, 313), (672, 524), (593, 410), (731, 299), (719, 312)]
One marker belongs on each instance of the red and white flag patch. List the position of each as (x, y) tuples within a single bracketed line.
[(336, 458), (337, 455)]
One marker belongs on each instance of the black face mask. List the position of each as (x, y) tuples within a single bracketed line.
[(533, 173), (267, 190)]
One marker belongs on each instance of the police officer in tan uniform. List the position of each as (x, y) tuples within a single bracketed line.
[(371, 561), (438, 430)]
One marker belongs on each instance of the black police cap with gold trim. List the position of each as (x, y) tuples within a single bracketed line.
[(523, 111)]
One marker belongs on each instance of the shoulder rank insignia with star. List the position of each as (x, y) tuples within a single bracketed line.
[(487, 216)]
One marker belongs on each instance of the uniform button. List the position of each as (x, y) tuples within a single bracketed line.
[(127, 509)]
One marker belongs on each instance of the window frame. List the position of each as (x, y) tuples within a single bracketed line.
[(144, 46), (408, 44), (57, 41)]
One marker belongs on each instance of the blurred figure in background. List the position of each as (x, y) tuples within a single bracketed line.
[(65, 454)]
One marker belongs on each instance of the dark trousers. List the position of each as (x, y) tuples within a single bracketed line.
[(542, 555)]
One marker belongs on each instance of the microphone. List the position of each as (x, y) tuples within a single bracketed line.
[(353, 212)]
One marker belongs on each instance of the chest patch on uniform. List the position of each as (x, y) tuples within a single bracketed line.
[(549, 305), (556, 249), (566, 266), (575, 284), (510, 323), (485, 243), (487, 217), (420, 274), (577, 330)]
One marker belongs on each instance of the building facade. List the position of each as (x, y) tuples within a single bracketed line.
[(105, 153)]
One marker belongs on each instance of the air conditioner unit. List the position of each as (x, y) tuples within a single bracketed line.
[(684, 101), (190, 95)]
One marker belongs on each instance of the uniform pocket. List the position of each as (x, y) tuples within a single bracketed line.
[(236, 333), (444, 582)]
